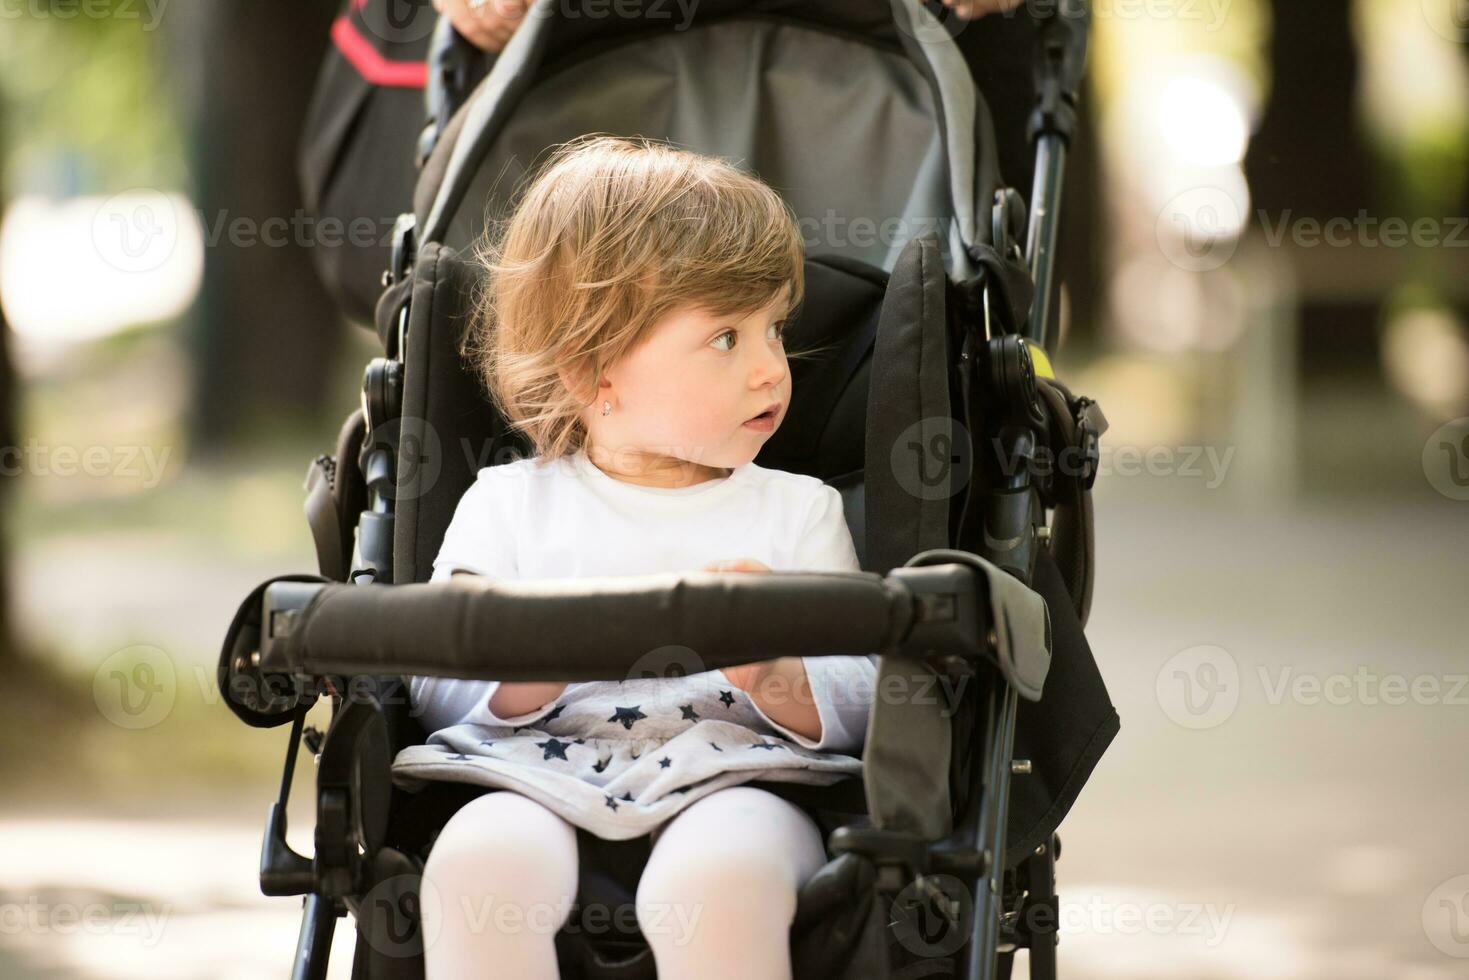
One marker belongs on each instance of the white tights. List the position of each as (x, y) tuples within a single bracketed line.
[(715, 901)]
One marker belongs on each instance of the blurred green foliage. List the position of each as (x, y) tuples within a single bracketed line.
[(85, 88)]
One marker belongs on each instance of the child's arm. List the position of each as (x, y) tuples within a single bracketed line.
[(480, 540), (781, 689), (514, 698), (823, 702)]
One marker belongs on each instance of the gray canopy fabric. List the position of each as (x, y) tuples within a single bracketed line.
[(862, 114)]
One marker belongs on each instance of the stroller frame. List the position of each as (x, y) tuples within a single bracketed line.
[(938, 605)]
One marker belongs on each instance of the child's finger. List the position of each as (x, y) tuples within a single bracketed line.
[(737, 565)]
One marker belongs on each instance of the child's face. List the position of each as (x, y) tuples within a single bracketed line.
[(689, 390)]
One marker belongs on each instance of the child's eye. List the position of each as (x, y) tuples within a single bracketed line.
[(779, 327)]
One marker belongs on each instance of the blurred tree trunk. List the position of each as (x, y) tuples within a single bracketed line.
[(10, 653), (265, 333), (1311, 159), (9, 436), (1310, 155)]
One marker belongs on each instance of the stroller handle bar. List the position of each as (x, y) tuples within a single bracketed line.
[(661, 624)]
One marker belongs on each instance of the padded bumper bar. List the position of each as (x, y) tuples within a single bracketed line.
[(657, 624)]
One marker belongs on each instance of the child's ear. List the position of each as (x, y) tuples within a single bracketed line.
[(578, 382), (573, 382)]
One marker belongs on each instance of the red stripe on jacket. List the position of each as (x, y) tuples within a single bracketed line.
[(370, 63)]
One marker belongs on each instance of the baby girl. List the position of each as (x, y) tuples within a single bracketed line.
[(632, 326)]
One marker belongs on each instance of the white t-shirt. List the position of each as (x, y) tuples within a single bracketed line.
[(568, 519)]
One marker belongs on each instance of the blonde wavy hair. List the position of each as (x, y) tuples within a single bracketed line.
[(609, 236)]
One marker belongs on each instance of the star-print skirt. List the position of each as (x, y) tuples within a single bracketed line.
[(620, 758)]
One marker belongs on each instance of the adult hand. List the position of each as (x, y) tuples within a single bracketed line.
[(487, 26), (971, 9)]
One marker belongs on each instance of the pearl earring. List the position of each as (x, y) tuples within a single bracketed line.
[(606, 408)]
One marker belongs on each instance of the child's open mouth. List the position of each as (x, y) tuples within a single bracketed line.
[(765, 421)]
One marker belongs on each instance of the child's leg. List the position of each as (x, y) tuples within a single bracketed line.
[(718, 895), (503, 875)]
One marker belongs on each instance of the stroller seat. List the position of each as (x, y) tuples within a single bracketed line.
[(601, 938), (863, 115)]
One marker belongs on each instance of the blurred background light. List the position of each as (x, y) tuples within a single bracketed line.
[(1202, 122), (85, 267), (1427, 358)]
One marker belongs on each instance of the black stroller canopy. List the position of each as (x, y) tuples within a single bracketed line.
[(862, 113)]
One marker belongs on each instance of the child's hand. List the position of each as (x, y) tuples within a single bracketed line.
[(746, 676), (737, 565), (487, 26), (970, 9)]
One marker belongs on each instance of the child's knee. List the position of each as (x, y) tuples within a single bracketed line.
[(503, 844), (721, 890)]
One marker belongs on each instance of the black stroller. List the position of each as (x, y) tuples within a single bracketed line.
[(932, 415)]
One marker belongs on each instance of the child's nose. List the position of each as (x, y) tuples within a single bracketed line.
[(769, 369)]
